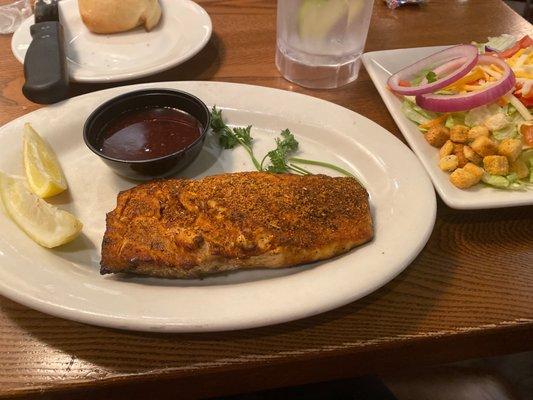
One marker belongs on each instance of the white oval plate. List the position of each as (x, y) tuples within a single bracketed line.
[(66, 282), (380, 65), (184, 29)]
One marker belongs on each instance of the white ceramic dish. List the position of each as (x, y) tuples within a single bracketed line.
[(380, 65), (184, 29), (66, 282)]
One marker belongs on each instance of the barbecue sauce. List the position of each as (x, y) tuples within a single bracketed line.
[(149, 133)]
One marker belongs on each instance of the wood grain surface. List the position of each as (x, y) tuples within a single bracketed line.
[(469, 293)]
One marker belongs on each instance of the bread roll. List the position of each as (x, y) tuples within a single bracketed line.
[(111, 16)]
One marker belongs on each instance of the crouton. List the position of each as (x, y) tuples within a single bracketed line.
[(510, 148), (446, 149), (477, 131), (463, 179), (484, 146), (458, 150), (459, 134), (471, 155), (437, 136), (474, 170), (449, 163), (496, 165)]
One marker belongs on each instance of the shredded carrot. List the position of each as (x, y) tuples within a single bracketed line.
[(472, 88), (523, 74), (490, 72), (474, 75), (517, 54), (434, 122), (502, 101), (496, 68)]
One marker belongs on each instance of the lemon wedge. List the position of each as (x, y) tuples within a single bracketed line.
[(45, 224), (43, 171)]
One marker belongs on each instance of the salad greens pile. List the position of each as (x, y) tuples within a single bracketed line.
[(503, 121)]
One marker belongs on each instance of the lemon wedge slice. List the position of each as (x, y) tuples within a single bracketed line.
[(45, 224), (43, 171)]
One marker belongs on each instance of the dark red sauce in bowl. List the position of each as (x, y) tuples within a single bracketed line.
[(149, 133)]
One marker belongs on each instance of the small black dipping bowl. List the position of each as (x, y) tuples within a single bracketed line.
[(156, 167)]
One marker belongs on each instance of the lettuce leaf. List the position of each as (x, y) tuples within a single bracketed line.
[(501, 43), (457, 118), (416, 113), (478, 115), (509, 132), (495, 180)]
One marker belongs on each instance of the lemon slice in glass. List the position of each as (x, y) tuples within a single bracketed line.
[(318, 18), (45, 224), (43, 171)]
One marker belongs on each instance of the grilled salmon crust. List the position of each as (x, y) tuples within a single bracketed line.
[(181, 228)]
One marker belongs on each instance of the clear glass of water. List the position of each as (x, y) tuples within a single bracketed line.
[(12, 13), (320, 42)]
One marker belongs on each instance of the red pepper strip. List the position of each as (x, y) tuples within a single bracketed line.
[(404, 83), (526, 41)]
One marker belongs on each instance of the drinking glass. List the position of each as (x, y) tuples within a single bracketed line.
[(12, 13), (320, 42)]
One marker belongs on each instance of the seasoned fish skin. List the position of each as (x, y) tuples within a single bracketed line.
[(184, 228)]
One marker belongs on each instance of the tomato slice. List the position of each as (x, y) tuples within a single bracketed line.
[(509, 52), (527, 101), (526, 41)]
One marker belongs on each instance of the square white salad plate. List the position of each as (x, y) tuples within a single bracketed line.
[(380, 66)]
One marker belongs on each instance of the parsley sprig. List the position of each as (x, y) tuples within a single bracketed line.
[(278, 160), (279, 157), (228, 138)]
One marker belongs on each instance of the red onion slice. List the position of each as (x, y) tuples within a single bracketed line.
[(463, 57), (463, 102)]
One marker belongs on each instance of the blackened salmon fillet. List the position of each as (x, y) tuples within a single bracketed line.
[(186, 228)]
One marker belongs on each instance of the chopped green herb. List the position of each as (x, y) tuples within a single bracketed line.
[(431, 77), (421, 75)]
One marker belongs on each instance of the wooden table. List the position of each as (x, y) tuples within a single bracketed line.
[(469, 293)]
